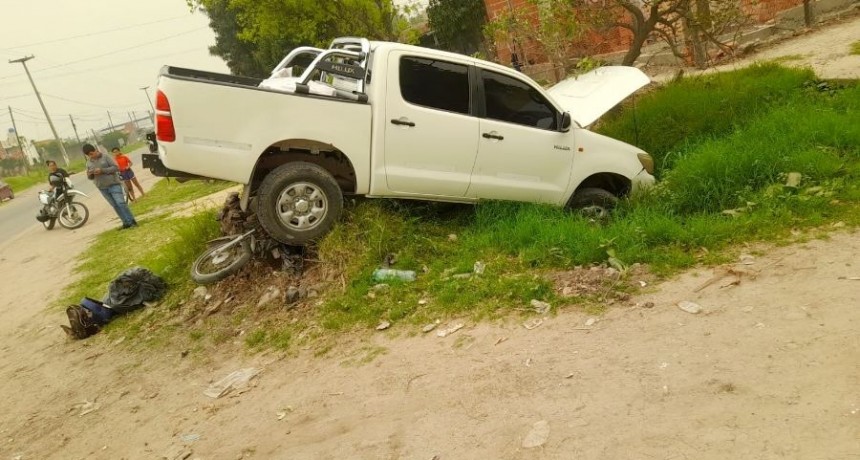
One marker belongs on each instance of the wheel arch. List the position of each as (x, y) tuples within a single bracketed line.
[(325, 155), (617, 184)]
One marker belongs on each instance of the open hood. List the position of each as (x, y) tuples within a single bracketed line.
[(590, 95)]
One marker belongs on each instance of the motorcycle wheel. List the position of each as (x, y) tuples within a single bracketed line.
[(214, 264), (73, 215), (49, 224)]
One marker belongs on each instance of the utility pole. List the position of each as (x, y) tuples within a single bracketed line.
[(18, 136), (110, 120), (95, 138), (133, 121), (75, 127), (23, 62), (145, 89)]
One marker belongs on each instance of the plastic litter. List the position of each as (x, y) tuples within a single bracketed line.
[(237, 380)]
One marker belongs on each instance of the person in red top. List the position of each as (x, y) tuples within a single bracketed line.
[(125, 172)]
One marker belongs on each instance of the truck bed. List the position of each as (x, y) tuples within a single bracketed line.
[(224, 123)]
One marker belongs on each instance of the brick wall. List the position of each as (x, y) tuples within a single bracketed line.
[(612, 40)]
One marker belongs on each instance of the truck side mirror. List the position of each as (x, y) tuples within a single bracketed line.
[(566, 121)]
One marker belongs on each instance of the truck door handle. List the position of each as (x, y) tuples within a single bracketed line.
[(403, 121), (493, 135)]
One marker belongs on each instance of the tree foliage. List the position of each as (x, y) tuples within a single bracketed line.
[(252, 36), (457, 24)]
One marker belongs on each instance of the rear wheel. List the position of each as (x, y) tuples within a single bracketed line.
[(298, 203), (593, 203), (73, 215)]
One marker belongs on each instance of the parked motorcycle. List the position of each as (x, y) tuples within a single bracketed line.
[(61, 206)]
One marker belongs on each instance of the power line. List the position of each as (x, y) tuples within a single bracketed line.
[(120, 107), (141, 45), (115, 64), (106, 31), (109, 53)]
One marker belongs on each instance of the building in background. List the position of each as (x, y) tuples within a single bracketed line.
[(9, 148)]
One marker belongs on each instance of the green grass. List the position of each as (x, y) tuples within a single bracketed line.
[(672, 120), (169, 192), (38, 175), (855, 47), (724, 142)]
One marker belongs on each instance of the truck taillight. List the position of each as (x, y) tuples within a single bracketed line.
[(161, 102), (164, 129)]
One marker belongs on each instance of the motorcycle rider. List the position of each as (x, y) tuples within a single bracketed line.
[(56, 178)]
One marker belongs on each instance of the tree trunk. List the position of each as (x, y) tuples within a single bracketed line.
[(635, 50)]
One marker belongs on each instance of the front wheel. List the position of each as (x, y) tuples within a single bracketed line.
[(593, 203), (216, 263), (73, 215), (49, 224), (298, 203)]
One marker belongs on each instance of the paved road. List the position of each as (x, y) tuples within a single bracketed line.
[(19, 215)]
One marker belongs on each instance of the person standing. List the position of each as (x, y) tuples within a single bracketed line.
[(104, 172), (126, 173)]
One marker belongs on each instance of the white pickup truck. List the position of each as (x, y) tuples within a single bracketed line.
[(397, 121)]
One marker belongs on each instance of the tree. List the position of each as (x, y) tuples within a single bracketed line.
[(457, 24), (688, 27), (254, 35)]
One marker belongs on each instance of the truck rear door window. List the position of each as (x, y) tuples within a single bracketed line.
[(436, 84), (514, 101)]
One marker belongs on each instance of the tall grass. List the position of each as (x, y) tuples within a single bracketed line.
[(732, 139), (676, 117)]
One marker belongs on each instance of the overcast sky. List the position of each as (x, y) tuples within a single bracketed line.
[(91, 57)]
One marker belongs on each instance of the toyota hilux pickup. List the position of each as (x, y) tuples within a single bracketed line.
[(388, 120)]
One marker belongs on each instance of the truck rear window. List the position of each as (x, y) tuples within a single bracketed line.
[(436, 84)]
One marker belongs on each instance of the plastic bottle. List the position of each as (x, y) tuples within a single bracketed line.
[(381, 274)]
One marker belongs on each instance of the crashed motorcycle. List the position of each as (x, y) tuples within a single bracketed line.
[(60, 205)]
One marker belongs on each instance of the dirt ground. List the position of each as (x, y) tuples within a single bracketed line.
[(770, 369)]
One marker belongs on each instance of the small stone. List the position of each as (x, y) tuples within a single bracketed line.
[(568, 291), (479, 268), (532, 323), (793, 179), (462, 276), (292, 295), (642, 283), (537, 436), (648, 305), (200, 292), (450, 330), (207, 297), (452, 237), (422, 302), (689, 307), (428, 328), (590, 322), (271, 294), (380, 287), (383, 325), (540, 307)]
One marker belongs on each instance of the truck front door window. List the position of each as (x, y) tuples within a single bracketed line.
[(435, 84), (514, 101)]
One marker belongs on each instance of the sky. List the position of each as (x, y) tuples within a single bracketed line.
[(92, 57)]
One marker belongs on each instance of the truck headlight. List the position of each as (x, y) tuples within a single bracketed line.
[(647, 162)]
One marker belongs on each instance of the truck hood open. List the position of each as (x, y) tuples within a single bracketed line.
[(590, 95)]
